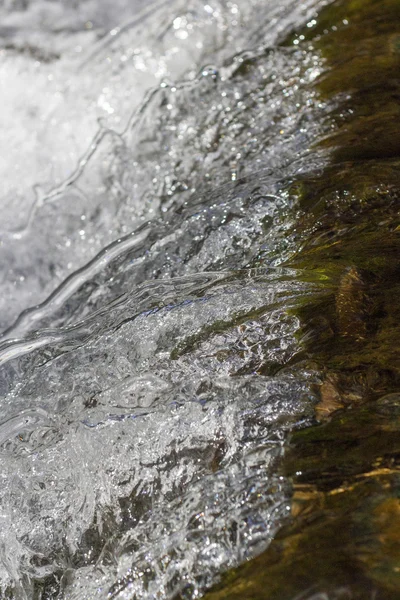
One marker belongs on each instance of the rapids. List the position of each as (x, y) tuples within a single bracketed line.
[(146, 378)]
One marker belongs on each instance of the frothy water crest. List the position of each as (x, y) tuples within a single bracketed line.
[(146, 386)]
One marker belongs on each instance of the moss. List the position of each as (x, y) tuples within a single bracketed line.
[(340, 544), (342, 539)]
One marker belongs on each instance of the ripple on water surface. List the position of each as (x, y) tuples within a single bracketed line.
[(146, 402)]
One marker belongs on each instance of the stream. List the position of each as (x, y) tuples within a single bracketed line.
[(198, 310)]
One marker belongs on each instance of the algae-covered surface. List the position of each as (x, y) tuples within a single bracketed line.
[(215, 380), (343, 539)]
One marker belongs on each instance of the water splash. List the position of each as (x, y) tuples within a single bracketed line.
[(146, 387)]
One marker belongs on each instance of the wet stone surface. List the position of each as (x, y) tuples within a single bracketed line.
[(205, 373), (342, 541)]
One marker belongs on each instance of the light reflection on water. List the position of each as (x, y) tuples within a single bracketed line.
[(147, 404)]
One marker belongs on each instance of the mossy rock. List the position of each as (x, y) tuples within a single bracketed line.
[(342, 540)]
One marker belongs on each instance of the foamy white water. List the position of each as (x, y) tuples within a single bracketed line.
[(145, 398)]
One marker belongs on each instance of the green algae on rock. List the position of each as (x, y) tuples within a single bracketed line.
[(343, 538)]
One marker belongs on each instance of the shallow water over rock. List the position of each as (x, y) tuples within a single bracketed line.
[(178, 293), (144, 406)]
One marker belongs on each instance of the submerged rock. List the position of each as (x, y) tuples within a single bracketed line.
[(342, 540)]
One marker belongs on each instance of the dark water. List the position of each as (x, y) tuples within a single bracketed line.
[(206, 354)]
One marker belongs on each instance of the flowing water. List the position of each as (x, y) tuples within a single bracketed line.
[(150, 360)]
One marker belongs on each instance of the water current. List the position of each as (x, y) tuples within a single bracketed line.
[(146, 378)]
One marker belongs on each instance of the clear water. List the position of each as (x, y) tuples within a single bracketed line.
[(146, 318)]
